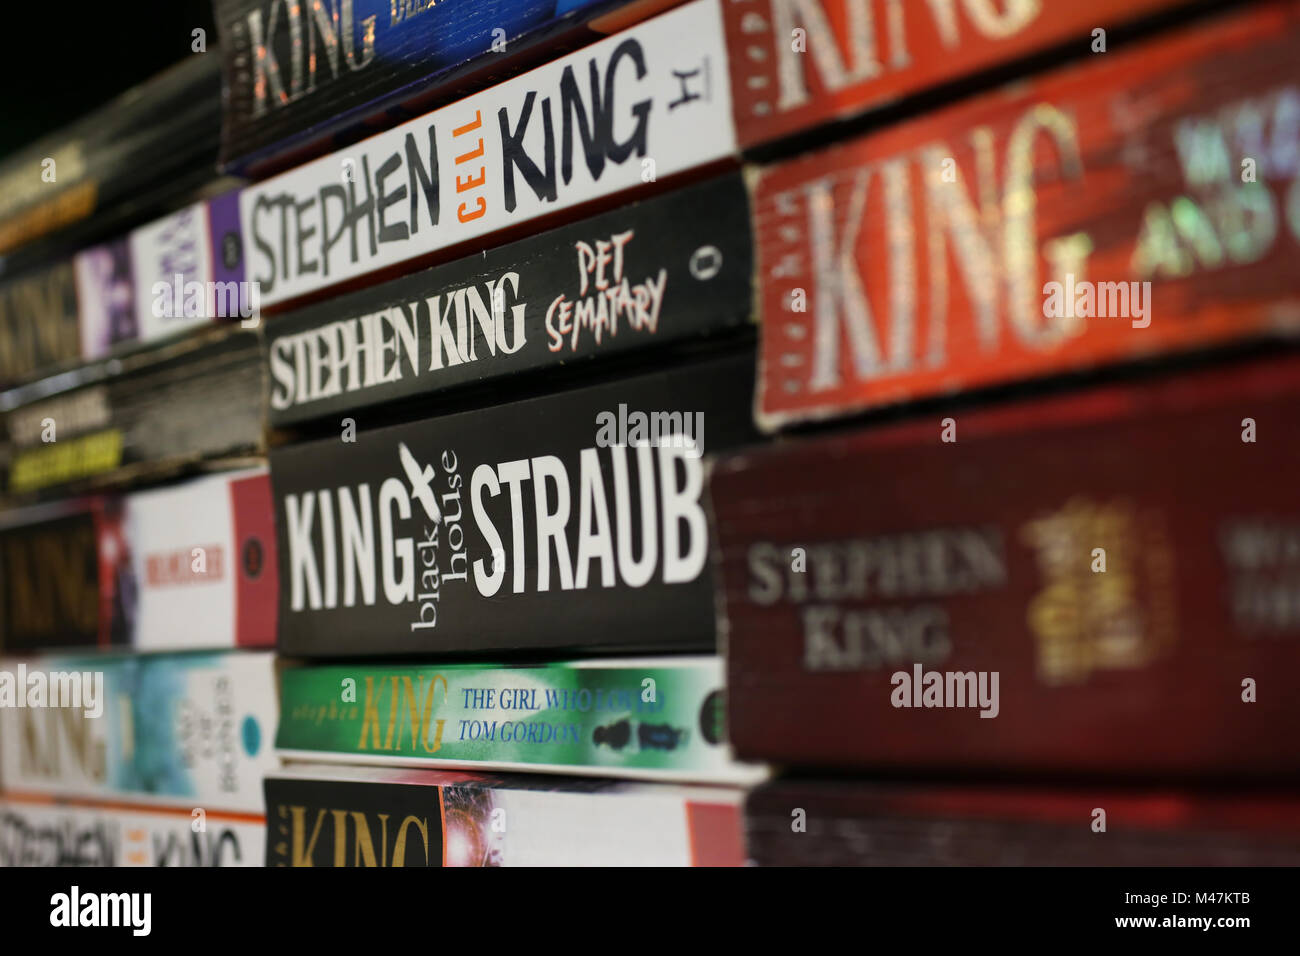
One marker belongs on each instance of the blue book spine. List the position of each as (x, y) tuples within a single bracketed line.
[(299, 77)]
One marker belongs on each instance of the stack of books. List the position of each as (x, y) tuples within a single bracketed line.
[(662, 433)]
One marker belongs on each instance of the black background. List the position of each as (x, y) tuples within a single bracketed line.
[(66, 58)]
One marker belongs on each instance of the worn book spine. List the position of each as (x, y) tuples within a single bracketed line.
[(1104, 582), (323, 815), (297, 77), (642, 105), (796, 64), (570, 522), (1137, 203), (146, 415), (821, 822), (653, 718), (187, 730), (48, 832), (668, 269)]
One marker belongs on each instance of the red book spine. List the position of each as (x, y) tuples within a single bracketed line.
[(1106, 583), (1141, 202), (797, 63), (257, 587)]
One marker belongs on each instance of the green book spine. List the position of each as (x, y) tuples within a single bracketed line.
[(654, 718)]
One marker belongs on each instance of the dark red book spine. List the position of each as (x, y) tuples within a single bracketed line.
[(843, 823), (1141, 201), (1107, 582)]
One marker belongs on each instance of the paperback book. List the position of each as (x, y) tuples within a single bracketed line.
[(1126, 206), (105, 571), (297, 76), (117, 166), (147, 415), (637, 107), (38, 322), (653, 718), (566, 522), (667, 269), (60, 568), (187, 730), (1102, 582), (46, 832), (849, 823), (329, 815)]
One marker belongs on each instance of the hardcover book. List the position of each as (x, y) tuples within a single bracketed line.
[(571, 521), (187, 730), (657, 718), (295, 75), (1127, 206), (1101, 583), (146, 415), (326, 815), (35, 832), (666, 269), (846, 823)]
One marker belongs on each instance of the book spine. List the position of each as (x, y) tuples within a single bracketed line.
[(122, 571), (666, 269), (1108, 211), (795, 65), (366, 60), (59, 579), (655, 718), (170, 275), (1087, 594), (837, 823), (203, 553), (119, 165), (38, 322), (572, 520), (136, 417), (533, 145), (189, 730), (530, 146), (71, 834), (489, 822)]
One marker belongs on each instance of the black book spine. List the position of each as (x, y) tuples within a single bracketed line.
[(664, 270), (571, 522)]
